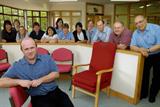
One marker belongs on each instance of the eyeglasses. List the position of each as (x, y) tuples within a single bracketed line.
[(139, 22)]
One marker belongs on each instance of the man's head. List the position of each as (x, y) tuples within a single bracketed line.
[(65, 28), (29, 48), (118, 27), (79, 27), (100, 25), (90, 25), (36, 27), (140, 22)]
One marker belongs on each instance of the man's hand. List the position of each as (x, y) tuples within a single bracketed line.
[(36, 83), (144, 52), (121, 46), (25, 83)]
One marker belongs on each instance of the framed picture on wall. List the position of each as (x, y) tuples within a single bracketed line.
[(96, 9)]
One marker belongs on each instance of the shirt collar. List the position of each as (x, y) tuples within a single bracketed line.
[(24, 61), (146, 29)]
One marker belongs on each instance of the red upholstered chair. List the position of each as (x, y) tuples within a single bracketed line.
[(42, 51), (99, 74), (4, 65), (64, 59), (18, 96)]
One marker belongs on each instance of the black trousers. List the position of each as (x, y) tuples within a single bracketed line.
[(56, 98), (151, 61)]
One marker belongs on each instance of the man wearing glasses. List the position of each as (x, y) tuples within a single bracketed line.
[(146, 40)]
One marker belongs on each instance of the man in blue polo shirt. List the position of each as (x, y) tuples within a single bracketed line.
[(36, 73), (102, 33), (146, 40)]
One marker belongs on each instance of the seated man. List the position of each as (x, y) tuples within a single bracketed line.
[(36, 73), (121, 36), (102, 33)]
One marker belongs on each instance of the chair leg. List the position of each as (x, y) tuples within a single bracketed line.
[(96, 100), (73, 91), (12, 102), (108, 91)]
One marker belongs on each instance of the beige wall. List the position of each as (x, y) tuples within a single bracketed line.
[(44, 5), (80, 6), (26, 4), (109, 10)]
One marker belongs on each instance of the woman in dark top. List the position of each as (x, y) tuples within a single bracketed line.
[(8, 34), (80, 34)]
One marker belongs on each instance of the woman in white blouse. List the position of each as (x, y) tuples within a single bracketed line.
[(50, 36), (80, 34)]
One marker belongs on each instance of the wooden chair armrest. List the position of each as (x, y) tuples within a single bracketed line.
[(104, 71), (75, 67)]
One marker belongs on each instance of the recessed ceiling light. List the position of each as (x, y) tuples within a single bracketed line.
[(141, 7), (149, 5)]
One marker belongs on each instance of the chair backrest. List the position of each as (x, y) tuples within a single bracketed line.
[(62, 54), (3, 55), (42, 51), (102, 56), (18, 96)]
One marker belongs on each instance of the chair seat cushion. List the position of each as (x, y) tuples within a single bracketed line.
[(4, 66), (64, 68), (88, 80)]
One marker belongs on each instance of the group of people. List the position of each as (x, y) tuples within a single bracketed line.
[(37, 73), (61, 32)]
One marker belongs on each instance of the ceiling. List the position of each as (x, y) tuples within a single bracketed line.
[(89, 1), (104, 1)]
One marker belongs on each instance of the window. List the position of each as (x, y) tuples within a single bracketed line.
[(9, 13), (70, 17), (127, 12), (1, 10), (1, 22), (37, 16), (7, 10), (121, 13)]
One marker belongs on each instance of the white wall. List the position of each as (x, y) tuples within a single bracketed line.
[(125, 72)]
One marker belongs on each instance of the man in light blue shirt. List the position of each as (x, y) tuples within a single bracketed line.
[(146, 40), (36, 73), (91, 30), (103, 32), (65, 35)]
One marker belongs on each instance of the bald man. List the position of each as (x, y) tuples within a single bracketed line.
[(146, 40), (36, 73)]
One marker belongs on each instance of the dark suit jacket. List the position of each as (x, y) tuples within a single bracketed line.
[(9, 37)]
